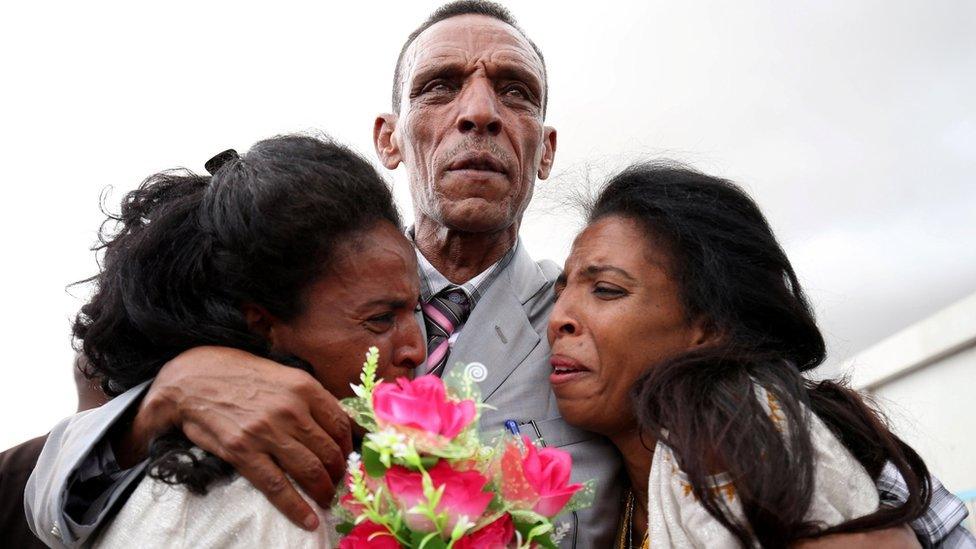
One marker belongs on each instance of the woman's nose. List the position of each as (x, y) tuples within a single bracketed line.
[(411, 348), (562, 321)]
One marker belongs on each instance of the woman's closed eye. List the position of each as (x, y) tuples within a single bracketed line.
[(608, 291), (381, 322)]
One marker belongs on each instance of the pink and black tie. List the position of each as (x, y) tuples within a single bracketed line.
[(444, 314)]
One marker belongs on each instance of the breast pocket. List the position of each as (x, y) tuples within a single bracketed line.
[(554, 433)]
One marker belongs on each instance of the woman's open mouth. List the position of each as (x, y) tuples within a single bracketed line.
[(565, 370)]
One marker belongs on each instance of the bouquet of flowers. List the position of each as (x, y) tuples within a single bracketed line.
[(425, 480)]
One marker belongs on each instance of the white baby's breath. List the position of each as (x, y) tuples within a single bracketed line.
[(388, 439), (561, 530)]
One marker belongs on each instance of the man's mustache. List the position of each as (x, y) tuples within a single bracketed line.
[(475, 145)]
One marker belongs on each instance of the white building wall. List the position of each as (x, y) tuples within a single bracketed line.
[(934, 410), (924, 379)]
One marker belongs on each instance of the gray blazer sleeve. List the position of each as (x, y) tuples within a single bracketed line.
[(75, 451)]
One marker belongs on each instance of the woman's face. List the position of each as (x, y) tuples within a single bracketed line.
[(617, 312), (367, 298)]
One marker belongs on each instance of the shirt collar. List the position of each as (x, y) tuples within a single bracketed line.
[(433, 282)]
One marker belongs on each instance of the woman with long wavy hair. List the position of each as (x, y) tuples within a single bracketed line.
[(681, 332)]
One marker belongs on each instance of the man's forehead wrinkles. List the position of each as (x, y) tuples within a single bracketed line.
[(490, 50), (481, 36), (495, 60), (516, 58), (442, 56)]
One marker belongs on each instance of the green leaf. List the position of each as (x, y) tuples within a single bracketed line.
[(528, 517), (371, 461), (344, 528), (581, 499), (544, 541), (539, 529), (461, 527), (536, 531), (522, 527), (360, 410), (422, 540)]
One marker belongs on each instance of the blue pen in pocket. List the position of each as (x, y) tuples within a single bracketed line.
[(512, 427)]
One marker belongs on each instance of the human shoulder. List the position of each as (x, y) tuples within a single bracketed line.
[(233, 512), (550, 269), (21, 458)]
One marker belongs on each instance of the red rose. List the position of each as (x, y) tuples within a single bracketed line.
[(495, 535), (537, 479), (369, 535), (463, 494)]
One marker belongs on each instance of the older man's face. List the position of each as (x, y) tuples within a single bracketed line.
[(470, 129)]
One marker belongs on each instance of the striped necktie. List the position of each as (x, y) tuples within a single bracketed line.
[(444, 314)]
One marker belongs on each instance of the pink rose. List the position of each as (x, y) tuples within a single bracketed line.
[(370, 535), (463, 494), (539, 479), (422, 404), (496, 535)]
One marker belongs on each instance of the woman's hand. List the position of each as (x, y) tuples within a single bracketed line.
[(898, 537), (267, 421)]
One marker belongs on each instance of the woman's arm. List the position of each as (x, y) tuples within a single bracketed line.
[(900, 537)]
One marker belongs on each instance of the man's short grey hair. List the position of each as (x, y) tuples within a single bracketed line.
[(465, 7)]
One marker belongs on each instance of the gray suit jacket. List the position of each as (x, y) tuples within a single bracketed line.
[(72, 445), (506, 332)]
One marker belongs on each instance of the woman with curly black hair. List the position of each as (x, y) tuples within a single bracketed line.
[(293, 251)]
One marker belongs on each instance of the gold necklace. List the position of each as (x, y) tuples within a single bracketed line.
[(625, 534)]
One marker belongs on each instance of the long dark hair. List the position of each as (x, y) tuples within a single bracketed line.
[(734, 276), (187, 251)]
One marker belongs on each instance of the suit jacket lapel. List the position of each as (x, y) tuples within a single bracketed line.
[(498, 333)]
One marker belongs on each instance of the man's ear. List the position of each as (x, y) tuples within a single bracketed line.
[(259, 321), (385, 141), (548, 151)]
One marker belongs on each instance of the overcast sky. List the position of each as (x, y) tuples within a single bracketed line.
[(852, 123)]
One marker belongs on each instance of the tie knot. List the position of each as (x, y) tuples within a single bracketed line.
[(444, 314), (457, 300)]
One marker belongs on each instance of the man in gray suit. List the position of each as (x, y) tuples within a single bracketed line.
[(469, 103)]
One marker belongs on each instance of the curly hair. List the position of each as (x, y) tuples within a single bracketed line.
[(188, 250)]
